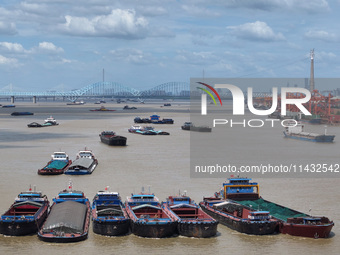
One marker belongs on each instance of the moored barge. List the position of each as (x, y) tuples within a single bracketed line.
[(292, 222), (26, 214), (69, 218), (110, 138), (57, 165), (109, 216), (191, 220), (85, 163), (148, 218)]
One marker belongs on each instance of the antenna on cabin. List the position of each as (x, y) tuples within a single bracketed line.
[(143, 189), (149, 189)]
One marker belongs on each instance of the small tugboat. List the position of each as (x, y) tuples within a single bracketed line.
[(110, 138), (292, 222), (192, 127), (57, 165), (69, 218), (297, 132), (26, 214), (102, 109), (85, 163), (192, 221), (148, 218), (109, 216)]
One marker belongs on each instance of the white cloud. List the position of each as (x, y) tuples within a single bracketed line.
[(49, 47), (8, 61), (119, 23), (258, 31), (321, 35), (12, 47)]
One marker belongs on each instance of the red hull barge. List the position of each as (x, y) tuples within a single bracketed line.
[(57, 165), (26, 214), (148, 218), (292, 222), (191, 220)]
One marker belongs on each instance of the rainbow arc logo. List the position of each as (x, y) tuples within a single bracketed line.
[(209, 93)]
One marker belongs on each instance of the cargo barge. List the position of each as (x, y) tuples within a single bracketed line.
[(110, 138), (69, 218), (148, 218), (245, 193), (192, 221), (57, 165), (297, 132), (109, 217), (26, 215)]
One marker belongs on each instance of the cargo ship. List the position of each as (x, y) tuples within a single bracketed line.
[(297, 132), (85, 163), (109, 217), (191, 220), (245, 193), (69, 218), (26, 214), (110, 138), (148, 218), (57, 165)]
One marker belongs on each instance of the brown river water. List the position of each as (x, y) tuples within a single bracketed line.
[(161, 163)]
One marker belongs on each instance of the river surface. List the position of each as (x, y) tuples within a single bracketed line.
[(158, 163)]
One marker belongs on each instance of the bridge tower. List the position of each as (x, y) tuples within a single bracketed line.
[(311, 80)]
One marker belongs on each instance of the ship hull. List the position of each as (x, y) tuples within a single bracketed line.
[(53, 171), (22, 227), (111, 228), (197, 229), (61, 237), (315, 231), (117, 141), (320, 138), (153, 229), (251, 228)]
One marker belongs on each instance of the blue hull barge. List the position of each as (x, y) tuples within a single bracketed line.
[(69, 218), (25, 215), (85, 163), (109, 217), (154, 119), (191, 220), (297, 132), (148, 218)]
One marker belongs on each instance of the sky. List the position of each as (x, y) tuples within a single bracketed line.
[(64, 45)]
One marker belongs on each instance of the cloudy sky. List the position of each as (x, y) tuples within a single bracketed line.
[(63, 44)]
